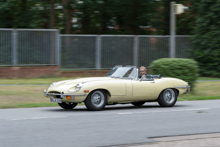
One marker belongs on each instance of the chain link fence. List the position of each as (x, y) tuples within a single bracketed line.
[(116, 50), (151, 48), (106, 51), (6, 47), (78, 51), (183, 46), (28, 47)]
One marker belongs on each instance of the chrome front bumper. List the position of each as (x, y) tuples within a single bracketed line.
[(62, 95), (188, 87)]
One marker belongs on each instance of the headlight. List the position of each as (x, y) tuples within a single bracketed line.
[(53, 84), (78, 87)]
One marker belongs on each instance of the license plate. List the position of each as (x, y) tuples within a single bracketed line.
[(55, 100)]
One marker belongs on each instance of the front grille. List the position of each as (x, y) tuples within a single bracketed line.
[(55, 96)]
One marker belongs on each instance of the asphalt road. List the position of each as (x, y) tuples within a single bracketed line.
[(116, 125)]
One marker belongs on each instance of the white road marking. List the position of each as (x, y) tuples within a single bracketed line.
[(122, 113), (165, 111), (127, 113), (39, 117), (19, 119)]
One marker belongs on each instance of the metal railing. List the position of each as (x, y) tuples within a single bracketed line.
[(78, 51), (28, 47), (6, 47), (106, 51), (24, 47)]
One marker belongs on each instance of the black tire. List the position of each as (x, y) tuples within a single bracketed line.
[(167, 98), (138, 104), (96, 100), (67, 105)]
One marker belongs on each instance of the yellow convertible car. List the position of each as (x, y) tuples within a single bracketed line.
[(121, 85)]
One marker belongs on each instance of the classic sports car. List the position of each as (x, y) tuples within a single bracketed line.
[(120, 86)]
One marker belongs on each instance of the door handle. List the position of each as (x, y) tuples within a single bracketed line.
[(152, 82)]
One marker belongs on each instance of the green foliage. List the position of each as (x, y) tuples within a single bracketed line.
[(22, 14), (161, 19), (133, 14), (93, 16), (206, 41), (185, 69), (139, 17)]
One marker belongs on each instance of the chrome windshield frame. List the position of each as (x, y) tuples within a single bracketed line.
[(129, 73)]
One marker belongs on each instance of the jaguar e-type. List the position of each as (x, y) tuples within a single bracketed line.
[(121, 85)]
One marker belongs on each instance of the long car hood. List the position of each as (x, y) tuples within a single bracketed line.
[(83, 80), (66, 84)]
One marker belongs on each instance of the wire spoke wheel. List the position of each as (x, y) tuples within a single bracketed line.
[(96, 100), (167, 98), (169, 95)]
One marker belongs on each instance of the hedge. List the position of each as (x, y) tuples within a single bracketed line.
[(185, 69)]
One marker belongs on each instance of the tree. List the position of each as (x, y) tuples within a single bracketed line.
[(94, 16), (67, 11), (161, 19), (86, 16), (22, 14), (52, 15), (206, 41), (132, 14)]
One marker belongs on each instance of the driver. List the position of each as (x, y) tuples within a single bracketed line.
[(143, 72)]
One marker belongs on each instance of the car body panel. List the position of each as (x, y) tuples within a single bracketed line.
[(144, 90), (119, 90)]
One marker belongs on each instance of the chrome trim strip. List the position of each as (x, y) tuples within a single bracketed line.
[(182, 86), (62, 94), (45, 93)]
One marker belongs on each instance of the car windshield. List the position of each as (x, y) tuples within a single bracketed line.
[(123, 72)]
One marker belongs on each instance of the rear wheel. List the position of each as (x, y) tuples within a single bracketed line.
[(167, 98), (67, 105), (96, 100), (138, 104)]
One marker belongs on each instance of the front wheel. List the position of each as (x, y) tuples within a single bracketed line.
[(167, 98), (96, 100), (138, 104), (67, 105)]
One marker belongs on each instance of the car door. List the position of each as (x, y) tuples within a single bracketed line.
[(143, 90)]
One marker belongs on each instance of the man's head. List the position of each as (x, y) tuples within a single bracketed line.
[(143, 70)]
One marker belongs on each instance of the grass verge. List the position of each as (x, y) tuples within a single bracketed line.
[(21, 96), (208, 90), (33, 81), (208, 78)]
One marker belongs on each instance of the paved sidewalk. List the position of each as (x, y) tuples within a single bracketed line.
[(202, 140)]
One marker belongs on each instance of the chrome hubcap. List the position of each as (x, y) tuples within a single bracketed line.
[(97, 98), (169, 95)]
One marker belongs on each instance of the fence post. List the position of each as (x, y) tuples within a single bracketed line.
[(58, 49), (14, 48), (98, 52), (135, 50), (172, 30)]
